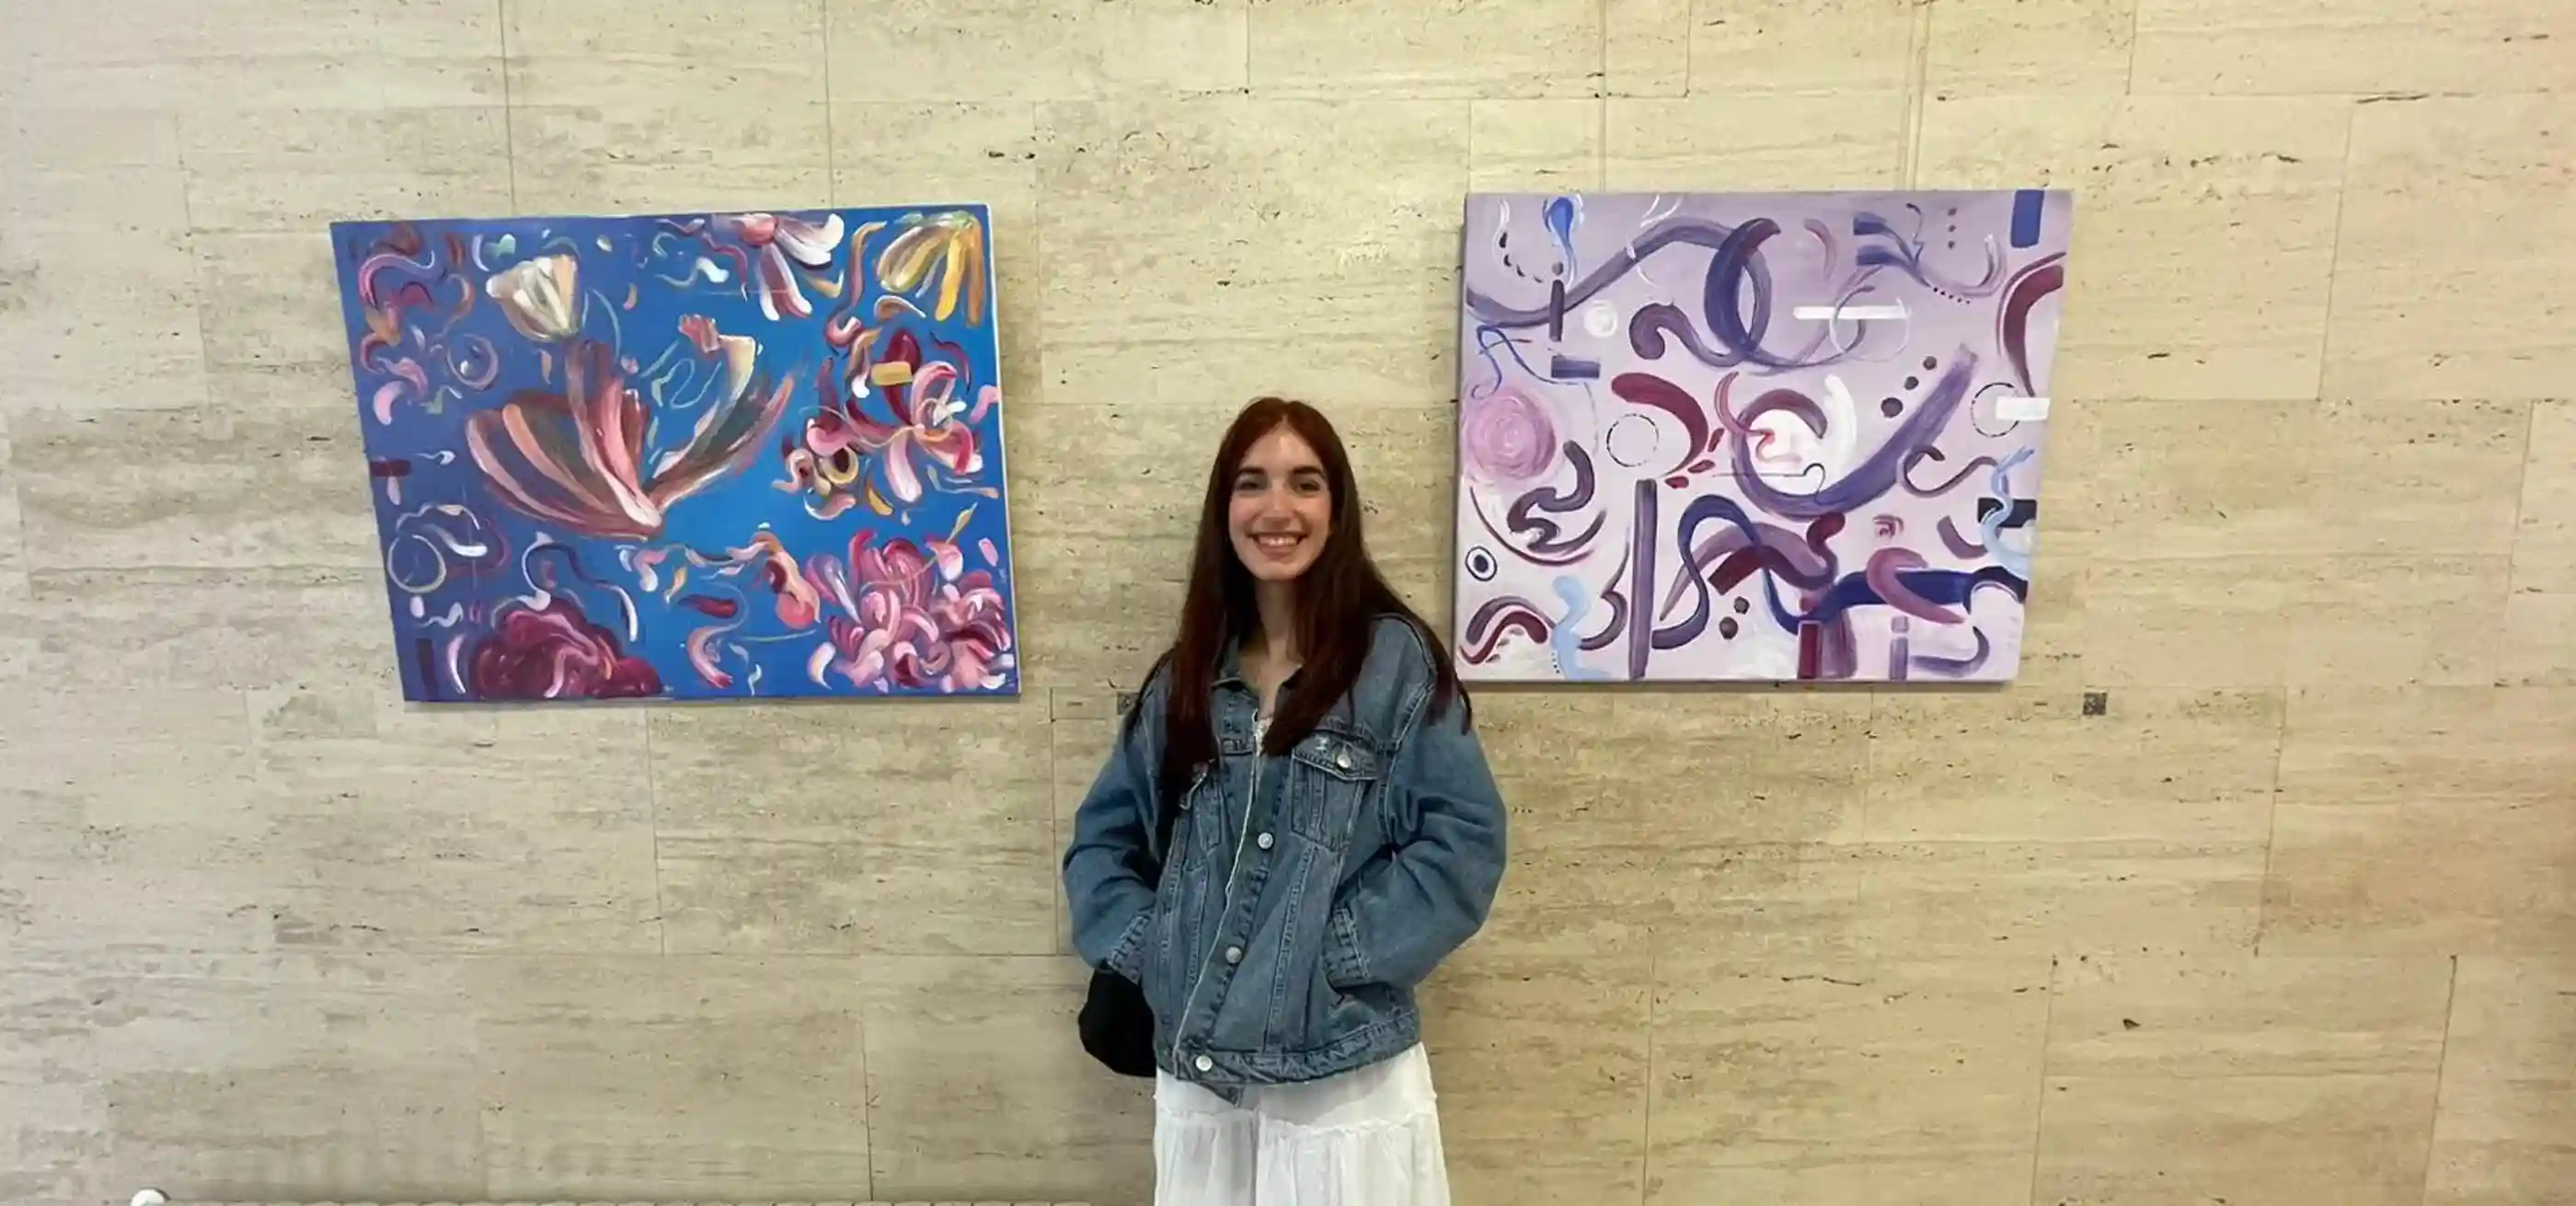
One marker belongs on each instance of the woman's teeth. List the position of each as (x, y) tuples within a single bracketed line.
[(1276, 544)]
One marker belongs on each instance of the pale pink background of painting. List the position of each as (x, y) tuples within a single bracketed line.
[(1801, 275)]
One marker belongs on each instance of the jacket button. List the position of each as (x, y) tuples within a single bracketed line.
[(1264, 841), (1343, 760), (1234, 954), (1203, 1064)]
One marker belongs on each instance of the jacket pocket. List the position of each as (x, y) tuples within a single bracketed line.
[(1163, 941), (1181, 862), (1333, 776)]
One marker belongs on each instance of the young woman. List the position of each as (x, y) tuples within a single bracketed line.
[(1334, 834)]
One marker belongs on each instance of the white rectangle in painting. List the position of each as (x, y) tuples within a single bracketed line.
[(1726, 437)]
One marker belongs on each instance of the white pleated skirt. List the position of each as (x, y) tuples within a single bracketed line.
[(1368, 1137)]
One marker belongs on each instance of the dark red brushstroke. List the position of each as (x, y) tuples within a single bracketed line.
[(1959, 546), (1885, 576), (722, 609), (1647, 389), (1810, 648), (403, 240), (826, 386), (1837, 655), (905, 349), (394, 467), (957, 356), (1738, 566), (556, 652), (2035, 282), (1824, 528), (1519, 618)]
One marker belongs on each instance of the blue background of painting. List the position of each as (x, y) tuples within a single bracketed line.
[(722, 515)]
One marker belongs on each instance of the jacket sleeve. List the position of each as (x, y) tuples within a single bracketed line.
[(1108, 866), (1413, 904)]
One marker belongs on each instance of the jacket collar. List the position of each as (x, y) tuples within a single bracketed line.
[(1229, 669)]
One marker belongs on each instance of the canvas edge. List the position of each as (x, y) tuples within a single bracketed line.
[(2060, 201), (339, 231)]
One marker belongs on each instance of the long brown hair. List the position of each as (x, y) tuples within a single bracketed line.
[(1339, 599)]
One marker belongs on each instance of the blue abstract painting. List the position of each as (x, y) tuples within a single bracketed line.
[(688, 456)]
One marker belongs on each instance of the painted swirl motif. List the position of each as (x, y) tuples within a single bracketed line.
[(1507, 437), (702, 456), (551, 650), (1789, 396), (541, 297)]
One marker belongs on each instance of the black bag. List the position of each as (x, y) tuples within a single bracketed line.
[(1117, 1024)]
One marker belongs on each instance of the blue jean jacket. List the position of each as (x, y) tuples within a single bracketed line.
[(1304, 897)]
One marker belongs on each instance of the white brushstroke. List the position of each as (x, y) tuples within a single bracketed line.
[(1849, 313), (2021, 410)]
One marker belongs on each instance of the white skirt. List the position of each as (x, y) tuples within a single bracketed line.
[(1368, 1137)]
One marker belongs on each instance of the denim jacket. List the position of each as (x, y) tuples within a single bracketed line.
[(1304, 897)]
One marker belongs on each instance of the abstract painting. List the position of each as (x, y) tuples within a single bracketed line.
[(694, 456), (1712, 437)]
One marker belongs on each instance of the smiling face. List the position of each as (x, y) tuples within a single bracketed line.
[(1281, 511)]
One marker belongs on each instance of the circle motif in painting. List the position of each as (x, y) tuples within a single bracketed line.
[(1631, 440)]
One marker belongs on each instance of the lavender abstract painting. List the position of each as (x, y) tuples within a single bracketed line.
[(1710, 437), (694, 456)]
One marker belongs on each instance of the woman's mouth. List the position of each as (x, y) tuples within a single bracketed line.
[(1276, 543)]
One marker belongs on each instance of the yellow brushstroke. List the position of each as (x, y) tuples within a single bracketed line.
[(951, 282), (906, 262), (858, 240)]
